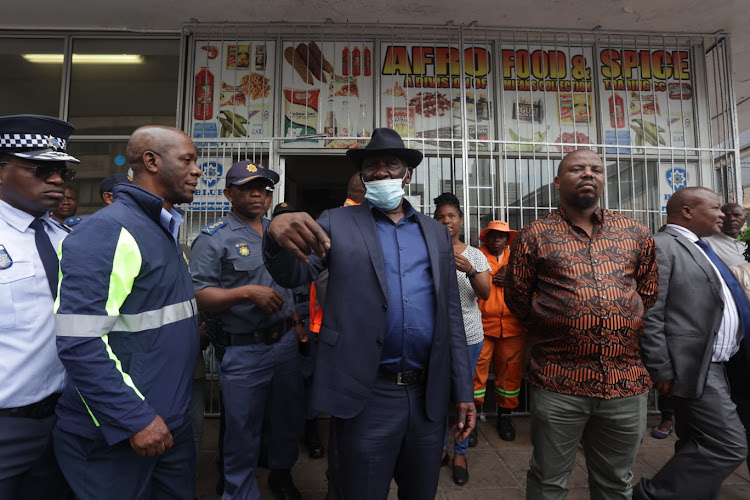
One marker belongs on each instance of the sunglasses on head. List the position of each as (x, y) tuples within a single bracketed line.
[(44, 171)]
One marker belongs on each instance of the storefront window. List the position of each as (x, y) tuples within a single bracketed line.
[(98, 160), (113, 95), (26, 86)]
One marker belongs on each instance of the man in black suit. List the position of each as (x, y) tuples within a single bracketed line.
[(392, 349), (692, 330)]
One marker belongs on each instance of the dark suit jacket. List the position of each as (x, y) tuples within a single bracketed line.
[(680, 329), (354, 318)]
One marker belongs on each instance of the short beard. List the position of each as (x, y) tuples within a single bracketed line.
[(585, 202)]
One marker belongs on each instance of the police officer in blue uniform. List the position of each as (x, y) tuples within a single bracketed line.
[(33, 173), (66, 212), (108, 184), (260, 370)]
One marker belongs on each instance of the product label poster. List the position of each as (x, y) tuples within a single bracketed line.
[(233, 89), (548, 97), (646, 98), (327, 91), (420, 92)]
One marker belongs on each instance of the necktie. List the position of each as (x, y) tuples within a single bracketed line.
[(47, 254), (743, 309)]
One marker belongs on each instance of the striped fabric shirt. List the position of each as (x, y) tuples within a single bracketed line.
[(583, 299), (729, 335)]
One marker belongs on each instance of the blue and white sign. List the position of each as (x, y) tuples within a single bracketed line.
[(209, 195), (674, 176)]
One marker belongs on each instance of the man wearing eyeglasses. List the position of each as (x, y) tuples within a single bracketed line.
[(33, 173)]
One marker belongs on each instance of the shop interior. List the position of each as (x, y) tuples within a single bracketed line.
[(315, 183)]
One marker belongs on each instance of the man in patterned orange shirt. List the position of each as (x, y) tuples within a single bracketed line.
[(581, 279)]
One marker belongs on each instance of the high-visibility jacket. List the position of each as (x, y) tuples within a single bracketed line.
[(126, 319), (497, 320)]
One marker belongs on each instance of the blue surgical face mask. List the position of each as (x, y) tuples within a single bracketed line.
[(385, 194)]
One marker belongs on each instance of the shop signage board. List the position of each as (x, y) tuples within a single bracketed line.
[(420, 92), (233, 89), (646, 98), (548, 96), (327, 91)]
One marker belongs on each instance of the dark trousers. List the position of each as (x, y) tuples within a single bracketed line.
[(95, 470), (257, 380), (391, 438), (711, 445), (28, 468)]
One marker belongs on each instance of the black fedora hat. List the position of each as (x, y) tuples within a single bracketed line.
[(385, 141)]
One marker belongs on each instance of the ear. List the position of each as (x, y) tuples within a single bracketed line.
[(557, 183), (228, 194), (407, 179), (687, 212), (151, 161)]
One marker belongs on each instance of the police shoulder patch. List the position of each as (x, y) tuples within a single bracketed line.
[(72, 221), (213, 227)]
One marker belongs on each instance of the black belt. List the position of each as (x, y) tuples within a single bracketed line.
[(41, 409), (269, 335), (403, 378)]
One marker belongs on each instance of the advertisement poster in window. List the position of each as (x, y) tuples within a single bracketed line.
[(233, 90), (674, 176), (420, 93), (646, 98), (548, 97), (327, 91)]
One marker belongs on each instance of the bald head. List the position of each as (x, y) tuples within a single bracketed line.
[(734, 219), (163, 160), (355, 190), (573, 155), (697, 209)]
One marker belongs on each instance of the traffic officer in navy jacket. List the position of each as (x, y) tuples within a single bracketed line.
[(33, 173), (260, 371), (127, 333), (392, 350)]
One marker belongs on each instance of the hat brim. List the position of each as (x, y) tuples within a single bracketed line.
[(44, 155), (249, 178), (412, 157), (511, 234)]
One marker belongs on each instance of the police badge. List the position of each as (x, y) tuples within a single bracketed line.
[(242, 249), (5, 260)]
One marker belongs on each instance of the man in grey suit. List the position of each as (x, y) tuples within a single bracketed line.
[(694, 327)]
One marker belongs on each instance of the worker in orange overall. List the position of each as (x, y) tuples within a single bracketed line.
[(503, 333)]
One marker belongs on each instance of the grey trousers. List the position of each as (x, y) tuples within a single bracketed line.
[(611, 430), (711, 445)]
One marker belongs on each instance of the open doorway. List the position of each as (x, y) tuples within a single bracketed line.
[(316, 183)]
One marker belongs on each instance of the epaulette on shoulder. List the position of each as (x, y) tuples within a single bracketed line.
[(72, 221), (213, 227)]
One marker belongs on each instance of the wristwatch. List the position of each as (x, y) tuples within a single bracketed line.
[(472, 274)]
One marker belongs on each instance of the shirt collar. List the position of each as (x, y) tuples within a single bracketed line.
[(409, 212), (687, 233), (19, 219), (598, 214), (171, 220)]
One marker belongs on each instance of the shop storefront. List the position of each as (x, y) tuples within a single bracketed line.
[(493, 110)]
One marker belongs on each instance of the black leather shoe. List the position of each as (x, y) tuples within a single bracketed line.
[(281, 485), (460, 474), (473, 438), (312, 439), (505, 428)]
